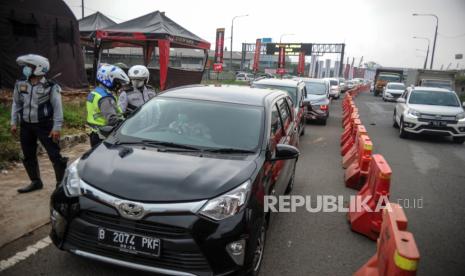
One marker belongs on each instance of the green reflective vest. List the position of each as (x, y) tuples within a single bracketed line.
[(94, 115)]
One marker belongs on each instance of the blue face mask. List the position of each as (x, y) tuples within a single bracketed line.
[(27, 71)]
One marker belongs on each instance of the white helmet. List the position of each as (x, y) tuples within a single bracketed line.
[(139, 72), (41, 64), (111, 76)]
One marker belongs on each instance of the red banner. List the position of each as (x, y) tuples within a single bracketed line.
[(281, 61), (301, 64), (256, 59), (219, 46)]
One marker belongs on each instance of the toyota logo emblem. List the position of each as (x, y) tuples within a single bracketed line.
[(131, 210)]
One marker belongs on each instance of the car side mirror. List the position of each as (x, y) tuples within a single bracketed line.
[(401, 100), (463, 104), (285, 152)]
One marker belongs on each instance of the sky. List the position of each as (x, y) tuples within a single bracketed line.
[(378, 30)]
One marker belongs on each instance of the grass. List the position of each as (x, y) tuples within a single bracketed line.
[(74, 114)]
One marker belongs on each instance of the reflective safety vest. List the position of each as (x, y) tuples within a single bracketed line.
[(94, 115)]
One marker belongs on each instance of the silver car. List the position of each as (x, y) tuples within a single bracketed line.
[(393, 90), (430, 110)]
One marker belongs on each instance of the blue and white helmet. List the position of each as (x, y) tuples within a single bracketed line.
[(40, 63), (110, 75)]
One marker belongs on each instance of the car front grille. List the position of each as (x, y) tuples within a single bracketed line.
[(440, 128), (171, 257), (433, 117)]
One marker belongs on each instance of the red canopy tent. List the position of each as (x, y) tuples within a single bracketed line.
[(150, 31)]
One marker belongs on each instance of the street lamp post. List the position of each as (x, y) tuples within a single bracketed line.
[(435, 34), (427, 50), (232, 31)]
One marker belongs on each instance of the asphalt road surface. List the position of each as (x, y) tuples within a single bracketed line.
[(303, 243)]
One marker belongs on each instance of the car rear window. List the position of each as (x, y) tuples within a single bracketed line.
[(433, 98), (333, 82), (291, 91), (396, 86)]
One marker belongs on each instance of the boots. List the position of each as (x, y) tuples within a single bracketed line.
[(32, 169), (60, 168)]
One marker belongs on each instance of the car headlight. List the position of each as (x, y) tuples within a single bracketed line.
[(460, 116), (228, 204), (413, 113), (72, 180)]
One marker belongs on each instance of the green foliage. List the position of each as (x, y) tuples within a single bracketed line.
[(74, 114)]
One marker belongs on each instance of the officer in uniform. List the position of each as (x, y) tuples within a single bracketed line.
[(102, 107), (37, 108), (129, 100)]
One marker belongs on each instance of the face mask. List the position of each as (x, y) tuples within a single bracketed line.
[(137, 83), (27, 71)]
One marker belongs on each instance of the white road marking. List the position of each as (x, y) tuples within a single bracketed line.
[(23, 255)]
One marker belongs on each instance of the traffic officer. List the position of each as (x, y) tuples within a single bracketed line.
[(37, 108), (102, 107), (129, 100)]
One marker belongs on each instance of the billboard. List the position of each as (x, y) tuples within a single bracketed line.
[(219, 46), (291, 49), (281, 61), (256, 60)]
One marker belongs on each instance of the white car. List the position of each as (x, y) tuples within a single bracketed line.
[(244, 77), (393, 90), (334, 89), (430, 110)]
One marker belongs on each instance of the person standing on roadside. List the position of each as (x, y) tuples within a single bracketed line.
[(139, 92), (101, 104), (37, 108)]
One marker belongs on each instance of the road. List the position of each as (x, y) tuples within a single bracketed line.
[(302, 243)]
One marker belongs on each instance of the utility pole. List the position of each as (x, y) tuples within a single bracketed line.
[(82, 8), (232, 33), (435, 35)]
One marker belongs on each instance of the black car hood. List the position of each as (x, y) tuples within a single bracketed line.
[(152, 176)]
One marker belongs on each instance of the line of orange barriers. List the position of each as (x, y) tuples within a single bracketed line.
[(370, 174)]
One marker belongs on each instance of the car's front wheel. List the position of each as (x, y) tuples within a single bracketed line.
[(259, 250), (402, 132), (394, 122)]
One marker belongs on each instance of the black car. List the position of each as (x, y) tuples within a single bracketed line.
[(317, 100), (179, 187)]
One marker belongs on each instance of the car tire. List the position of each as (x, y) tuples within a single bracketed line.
[(402, 133), (323, 122), (290, 185), (302, 131), (458, 140), (394, 122), (259, 250)]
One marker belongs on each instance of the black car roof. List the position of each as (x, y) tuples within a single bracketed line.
[(224, 93)]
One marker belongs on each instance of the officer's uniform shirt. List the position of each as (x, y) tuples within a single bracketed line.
[(130, 100), (37, 103)]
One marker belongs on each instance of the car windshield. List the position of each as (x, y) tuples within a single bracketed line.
[(396, 87), (291, 91), (333, 82), (433, 98), (436, 83), (315, 88), (392, 78), (195, 123)]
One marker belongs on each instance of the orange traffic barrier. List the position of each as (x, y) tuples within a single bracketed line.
[(346, 117), (356, 173), (350, 149), (397, 252), (349, 127), (367, 220)]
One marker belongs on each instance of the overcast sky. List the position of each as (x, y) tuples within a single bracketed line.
[(378, 30)]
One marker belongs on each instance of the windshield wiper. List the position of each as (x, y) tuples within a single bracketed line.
[(229, 150), (154, 143)]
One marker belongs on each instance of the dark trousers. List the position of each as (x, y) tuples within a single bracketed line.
[(30, 133), (94, 139)]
